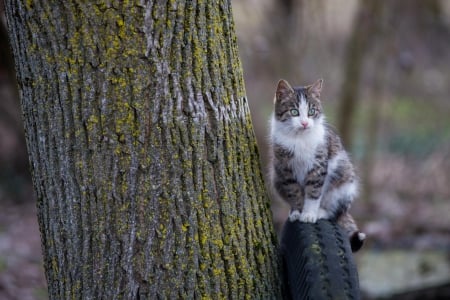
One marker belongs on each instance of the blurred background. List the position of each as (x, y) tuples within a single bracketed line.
[(386, 71)]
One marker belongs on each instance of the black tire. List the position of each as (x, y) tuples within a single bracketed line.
[(318, 262)]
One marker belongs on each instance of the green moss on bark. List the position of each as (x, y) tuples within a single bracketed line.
[(143, 152)]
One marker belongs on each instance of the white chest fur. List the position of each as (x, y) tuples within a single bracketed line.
[(303, 144)]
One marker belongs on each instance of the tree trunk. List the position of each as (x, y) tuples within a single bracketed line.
[(366, 23), (142, 151)]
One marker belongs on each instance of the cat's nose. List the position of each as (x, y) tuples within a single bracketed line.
[(304, 123)]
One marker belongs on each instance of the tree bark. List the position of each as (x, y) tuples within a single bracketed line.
[(142, 151)]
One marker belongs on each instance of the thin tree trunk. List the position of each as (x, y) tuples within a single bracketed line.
[(366, 22), (375, 108), (142, 151)]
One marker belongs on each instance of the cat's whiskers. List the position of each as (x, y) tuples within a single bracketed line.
[(310, 168)]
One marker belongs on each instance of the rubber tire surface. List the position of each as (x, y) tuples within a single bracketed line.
[(318, 262)]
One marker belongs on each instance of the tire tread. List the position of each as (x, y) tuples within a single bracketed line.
[(318, 262)]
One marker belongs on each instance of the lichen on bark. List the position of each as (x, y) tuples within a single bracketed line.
[(143, 154)]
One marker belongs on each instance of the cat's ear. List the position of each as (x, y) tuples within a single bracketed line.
[(284, 90), (316, 88)]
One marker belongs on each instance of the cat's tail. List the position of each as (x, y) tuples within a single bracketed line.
[(346, 221)]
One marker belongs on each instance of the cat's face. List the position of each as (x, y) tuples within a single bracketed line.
[(299, 109)]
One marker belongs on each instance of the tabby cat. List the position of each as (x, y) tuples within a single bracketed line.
[(310, 169)]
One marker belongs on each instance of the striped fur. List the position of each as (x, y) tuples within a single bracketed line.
[(310, 169)]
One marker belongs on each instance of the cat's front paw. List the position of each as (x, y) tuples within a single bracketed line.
[(308, 217), (294, 215)]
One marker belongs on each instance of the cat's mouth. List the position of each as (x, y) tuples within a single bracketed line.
[(303, 129)]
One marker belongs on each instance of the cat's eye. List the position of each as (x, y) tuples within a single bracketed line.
[(294, 112), (311, 111)]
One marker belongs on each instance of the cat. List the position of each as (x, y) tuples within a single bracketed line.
[(310, 168)]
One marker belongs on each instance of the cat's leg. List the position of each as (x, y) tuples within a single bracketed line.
[(336, 204), (296, 207), (323, 214), (314, 182), (287, 187), (294, 215), (337, 199), (310, 213)]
